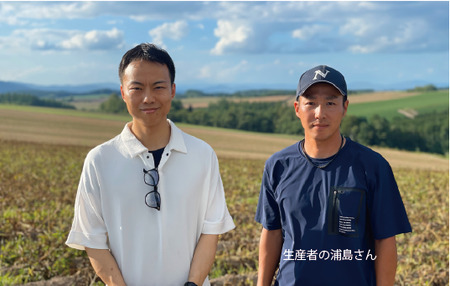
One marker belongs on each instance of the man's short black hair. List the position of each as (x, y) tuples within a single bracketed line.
[(148, 52)]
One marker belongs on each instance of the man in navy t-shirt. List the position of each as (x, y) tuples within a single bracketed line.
[(330, 208)]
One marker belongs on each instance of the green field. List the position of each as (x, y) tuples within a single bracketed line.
[(202, 102), (87, 102), (41, 156), (422, 103), (386, 104)]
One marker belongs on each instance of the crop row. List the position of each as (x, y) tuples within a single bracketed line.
[(37, 191)]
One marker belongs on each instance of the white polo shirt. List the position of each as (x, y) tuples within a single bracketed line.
[(151, 247)]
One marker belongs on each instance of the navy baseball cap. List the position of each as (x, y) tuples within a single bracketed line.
[(318, 74)]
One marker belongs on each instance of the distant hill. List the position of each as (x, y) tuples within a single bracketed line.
[(6, 86), (57, 90)]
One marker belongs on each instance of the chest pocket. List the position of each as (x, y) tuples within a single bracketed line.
[(345, 207)]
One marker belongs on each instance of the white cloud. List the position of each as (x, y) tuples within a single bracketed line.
[(174, 31), (310, 31), (378, 27), (356, 26), (22, 12), (56, 39), (18, 74), (222, 71), (409, 36), (205, 72), (94, 40), (34, 39), (139, 18), (258, 27), (231, 36)]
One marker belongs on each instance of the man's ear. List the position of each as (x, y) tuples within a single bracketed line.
[(297, 108), (345, 107), (174, 88), (121, 92)]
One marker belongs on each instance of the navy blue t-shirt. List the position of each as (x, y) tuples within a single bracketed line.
[(157, 154), (330, 217)]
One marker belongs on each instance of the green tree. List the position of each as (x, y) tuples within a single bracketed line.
[(27, 99), (381, 129), (114, 104)]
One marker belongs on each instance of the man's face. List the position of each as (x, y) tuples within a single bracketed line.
[(147, 92), (321, 110)]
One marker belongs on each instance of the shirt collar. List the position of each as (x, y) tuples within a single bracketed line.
[(176, 141), (133, 147)]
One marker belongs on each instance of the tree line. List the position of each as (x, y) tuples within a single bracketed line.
[(244, 93), (426, 132), (26, 99), (250, 93)]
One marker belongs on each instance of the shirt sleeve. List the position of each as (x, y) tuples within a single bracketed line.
[(218, 219), (88, 228), (387, 211), (267, 211)]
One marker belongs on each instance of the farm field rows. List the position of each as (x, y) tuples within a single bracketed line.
[(88, 102), (420, 102), (381, 97), (41, 156), (68, 127), (36, 203), (387, 104), (202, 102)]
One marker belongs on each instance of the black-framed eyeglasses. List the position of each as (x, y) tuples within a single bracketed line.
[(152, 198)]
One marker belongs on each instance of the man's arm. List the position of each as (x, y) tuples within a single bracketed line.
[(386, 261), (105, 266), (269, 255), (203, 259)]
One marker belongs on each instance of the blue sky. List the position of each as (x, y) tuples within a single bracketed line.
[(252, 44)]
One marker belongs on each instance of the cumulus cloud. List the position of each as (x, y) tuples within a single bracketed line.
[(34, 39), (222, 71), (255, 27), (232, 35), (20, 13), (23, 13), (174, 31), (378, 27), (56, 39), (310, 31), (357, 27), (94, 40), (371, 35)]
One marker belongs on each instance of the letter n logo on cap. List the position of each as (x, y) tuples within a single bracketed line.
[(319, 72)]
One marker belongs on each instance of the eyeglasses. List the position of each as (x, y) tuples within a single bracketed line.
[(152, 198)]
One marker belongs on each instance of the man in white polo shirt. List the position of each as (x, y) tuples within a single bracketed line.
[(150, 203)]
